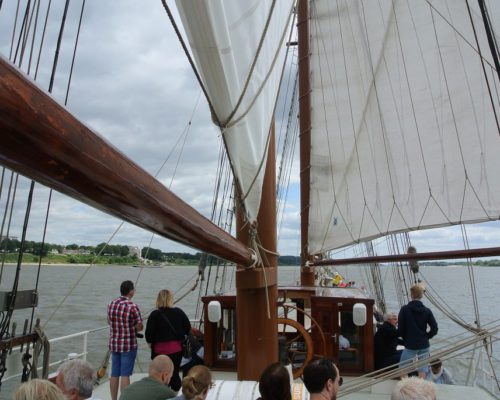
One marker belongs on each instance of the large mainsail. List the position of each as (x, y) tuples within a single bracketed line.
[(405, 131), (239, 48)]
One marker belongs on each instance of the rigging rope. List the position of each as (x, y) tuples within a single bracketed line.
[(6, 236), (14, 30), (250, 72), (32, 48), (492, 42), (43, 38), (95, 258), (21, 32), (37, 280), (191, 62), (74, 52), (458, 348), (51, 85), (215, 117), (263, 158), (472, 278), (289, 144), (12, 301), (229, 123), (495, 56), (372, 89), (58, 46)]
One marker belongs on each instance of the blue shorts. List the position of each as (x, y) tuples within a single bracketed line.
[(122, 364), (409, 355)]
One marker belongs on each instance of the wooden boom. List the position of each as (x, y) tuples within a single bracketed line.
[(435, 255), (43, 141)]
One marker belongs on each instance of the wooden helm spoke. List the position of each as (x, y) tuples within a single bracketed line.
[(296, 344), (319, 337)]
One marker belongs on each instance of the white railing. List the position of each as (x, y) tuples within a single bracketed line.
[(14, 359)]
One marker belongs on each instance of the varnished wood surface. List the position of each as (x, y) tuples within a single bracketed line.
[(40, 139)]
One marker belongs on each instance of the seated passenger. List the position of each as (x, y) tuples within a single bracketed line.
[(274, 383), (196, 384), (344, 342), (438, 374), (154, 386), (386, 342), (322, 379), (414, 389), (38, 389)]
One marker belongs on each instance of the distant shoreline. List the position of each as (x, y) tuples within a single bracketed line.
[(170, 264), (45, 264)]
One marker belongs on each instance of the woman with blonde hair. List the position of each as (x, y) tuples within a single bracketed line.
[(196, 383), (165, 330), (38, 389)]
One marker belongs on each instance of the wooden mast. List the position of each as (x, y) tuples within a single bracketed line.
[(40, 139), (256, 332), (306, 272)]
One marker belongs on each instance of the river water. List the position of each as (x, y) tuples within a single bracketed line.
[(74, 298)]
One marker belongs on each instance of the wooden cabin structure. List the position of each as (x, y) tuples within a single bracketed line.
[(313, 321)]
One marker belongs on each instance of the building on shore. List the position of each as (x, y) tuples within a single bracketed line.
[(135, 251)]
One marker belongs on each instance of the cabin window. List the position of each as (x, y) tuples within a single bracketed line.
[(349, 338), (226, 334)]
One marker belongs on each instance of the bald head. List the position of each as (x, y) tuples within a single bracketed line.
[(161, 368)]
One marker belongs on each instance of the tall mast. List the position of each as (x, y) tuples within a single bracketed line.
[(306, 273), (256, 288)]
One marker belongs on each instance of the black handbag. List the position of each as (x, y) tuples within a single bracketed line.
[(187, 349), (187, 342)]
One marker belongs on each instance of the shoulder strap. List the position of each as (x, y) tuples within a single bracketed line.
[(168, 322)]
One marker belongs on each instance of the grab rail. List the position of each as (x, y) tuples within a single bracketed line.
[(14, 359)]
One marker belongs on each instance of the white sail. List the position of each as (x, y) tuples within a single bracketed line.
[(404, 130), (225, 38)]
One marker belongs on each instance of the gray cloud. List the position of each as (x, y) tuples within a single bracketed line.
[(133, 85)]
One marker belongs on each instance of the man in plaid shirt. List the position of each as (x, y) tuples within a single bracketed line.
[(125, 321)]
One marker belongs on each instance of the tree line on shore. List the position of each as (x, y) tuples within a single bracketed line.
[(120, 254), (101, 254)]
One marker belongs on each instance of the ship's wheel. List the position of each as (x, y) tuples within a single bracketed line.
[(299, 343)]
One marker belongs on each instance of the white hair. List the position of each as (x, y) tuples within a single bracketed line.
[(414, 389), (390, 315), (78, 374)]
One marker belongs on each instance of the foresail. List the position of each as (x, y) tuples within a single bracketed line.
[(239, 48), (405, 131)]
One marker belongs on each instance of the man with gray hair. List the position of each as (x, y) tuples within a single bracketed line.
[(414, 389), (386, 341), (76, 379)]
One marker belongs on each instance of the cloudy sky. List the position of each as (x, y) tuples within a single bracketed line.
[(133, 85)]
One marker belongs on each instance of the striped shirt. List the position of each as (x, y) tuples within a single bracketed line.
[(123, 316)]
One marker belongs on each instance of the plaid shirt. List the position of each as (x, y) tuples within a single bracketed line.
[(123, 315)]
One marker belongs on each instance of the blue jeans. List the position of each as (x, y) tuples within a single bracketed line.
[(410, 355), (122, 364)]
